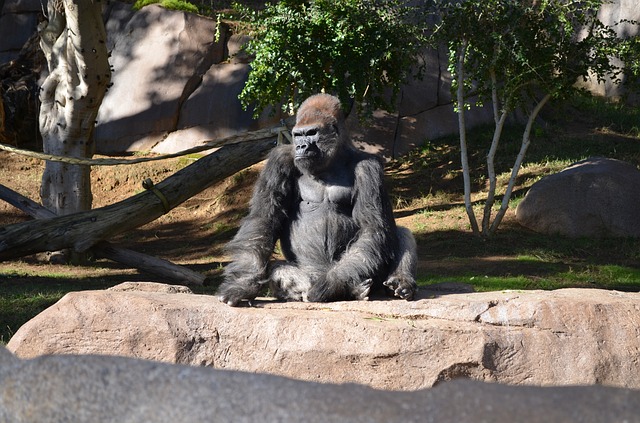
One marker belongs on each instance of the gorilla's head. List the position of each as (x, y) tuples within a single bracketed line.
[(319, 136)]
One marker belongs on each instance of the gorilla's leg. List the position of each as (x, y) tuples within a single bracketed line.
[(289, 282), (402, 280)]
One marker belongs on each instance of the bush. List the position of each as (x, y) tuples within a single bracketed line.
[(185, 6), (358, 50)]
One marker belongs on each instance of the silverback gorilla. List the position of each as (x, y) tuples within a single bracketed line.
[(326, 203)]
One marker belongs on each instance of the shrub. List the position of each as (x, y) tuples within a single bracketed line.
[(182, 5), (358, 50)]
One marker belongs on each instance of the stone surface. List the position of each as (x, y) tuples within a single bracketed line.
[(15, 30), (158, 57), (150, 287), (124, 390), (563, 337), (611, 13), (592, 198)]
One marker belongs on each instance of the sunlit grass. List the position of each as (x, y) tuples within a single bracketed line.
[(590, 276)]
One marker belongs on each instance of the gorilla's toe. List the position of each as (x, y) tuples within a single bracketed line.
[(402, 287), (232, 294), (361, 290)]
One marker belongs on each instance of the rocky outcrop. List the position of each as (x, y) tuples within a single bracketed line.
[(597, 197), (18, 22), (172, 85), (77, 389), (563, 337)]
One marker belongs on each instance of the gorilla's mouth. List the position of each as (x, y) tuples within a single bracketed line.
[(307, 155)]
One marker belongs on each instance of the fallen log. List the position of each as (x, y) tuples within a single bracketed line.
[(104, 249), (80, 231)]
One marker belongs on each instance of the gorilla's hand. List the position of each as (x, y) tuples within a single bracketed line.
[(246, 288), (332, 287), (402, 287)]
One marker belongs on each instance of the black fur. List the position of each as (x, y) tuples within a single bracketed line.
[(326, 203)]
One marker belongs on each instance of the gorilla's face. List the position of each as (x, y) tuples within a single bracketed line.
[(316, 146)]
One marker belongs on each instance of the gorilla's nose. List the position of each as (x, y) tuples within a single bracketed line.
[(306, 148)]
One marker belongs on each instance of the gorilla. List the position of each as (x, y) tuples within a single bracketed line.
[(326, 203)]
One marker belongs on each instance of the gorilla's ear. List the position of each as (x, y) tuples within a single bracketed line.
[(336, 128)]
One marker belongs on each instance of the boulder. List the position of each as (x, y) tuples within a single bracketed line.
[(72, 389), (563, 337), (15, 31), (173, 87), (158, 57), (596, 197)]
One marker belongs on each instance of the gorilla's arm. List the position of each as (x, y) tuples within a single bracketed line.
[(251, 248), (371, 252)]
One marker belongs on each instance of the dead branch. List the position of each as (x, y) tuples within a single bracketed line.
[(81, 231)]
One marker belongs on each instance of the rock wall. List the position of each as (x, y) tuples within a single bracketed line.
[(174, 87), (18, 21), (564, 337), (79, 389)]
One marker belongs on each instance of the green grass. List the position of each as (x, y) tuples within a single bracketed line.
[(25, 294), (605, 276), (22, 295)]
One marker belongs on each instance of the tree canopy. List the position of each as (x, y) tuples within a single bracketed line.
[(358, 50), (515, 53)]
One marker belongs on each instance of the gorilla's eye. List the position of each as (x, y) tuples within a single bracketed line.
[(311, 132)]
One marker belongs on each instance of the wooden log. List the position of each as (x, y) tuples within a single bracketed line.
[(80, 231), (149, 264), (104, 249)]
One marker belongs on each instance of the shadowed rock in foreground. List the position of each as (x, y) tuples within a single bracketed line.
[(564, 337), (116, 389)]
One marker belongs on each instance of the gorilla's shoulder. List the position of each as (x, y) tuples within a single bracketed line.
[(279, 165), (281, 155), (368, 163)]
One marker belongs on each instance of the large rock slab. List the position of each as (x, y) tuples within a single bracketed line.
[(158, 57), (563, 337), (124, 390), (596, 197)]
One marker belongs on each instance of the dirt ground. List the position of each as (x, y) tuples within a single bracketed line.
[(192, 234)]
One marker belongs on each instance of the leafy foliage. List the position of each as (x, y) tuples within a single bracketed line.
[(358, 50), (521, 53), (531, 46), (183, 5)]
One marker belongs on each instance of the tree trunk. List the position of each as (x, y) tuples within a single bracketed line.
[(82, 230), (526, 140), (463, 140), (77, 77), (491, 171)]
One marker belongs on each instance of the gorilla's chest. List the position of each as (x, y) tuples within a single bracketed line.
[(322, 223), (333, 193)]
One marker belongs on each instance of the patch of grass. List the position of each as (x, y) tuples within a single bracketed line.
[(23, 295), (592, 276)]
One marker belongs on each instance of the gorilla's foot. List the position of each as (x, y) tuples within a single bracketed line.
[(361, 290), (232, 293), (402, 286)]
